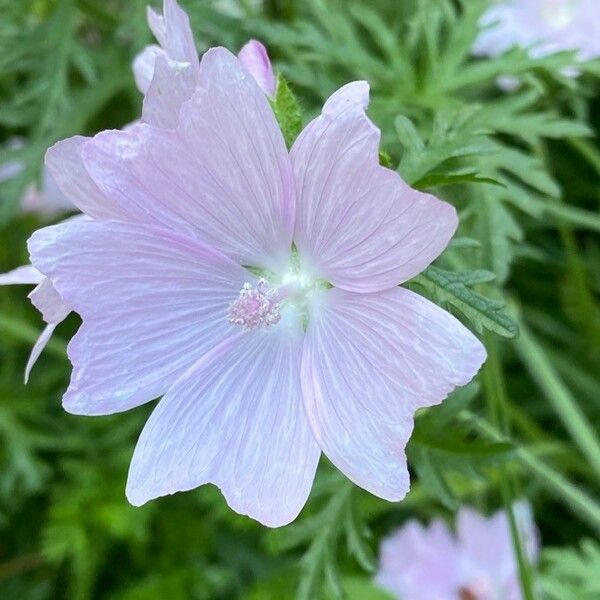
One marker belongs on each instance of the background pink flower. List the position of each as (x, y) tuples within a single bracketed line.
[(478, 563), (542, 26)]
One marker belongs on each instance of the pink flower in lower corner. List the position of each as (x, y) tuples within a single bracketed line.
[(478, 563), (256, 290)]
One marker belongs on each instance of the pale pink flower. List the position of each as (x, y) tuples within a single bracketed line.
[(166, 275), (478, 563), (541, 26)]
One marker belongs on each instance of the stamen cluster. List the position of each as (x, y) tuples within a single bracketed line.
[(255, 307)]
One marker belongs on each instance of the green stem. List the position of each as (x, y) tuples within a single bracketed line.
[(493, 381), (579, 217), (587, 149), (573, 418), (576, 500), (19, 565)]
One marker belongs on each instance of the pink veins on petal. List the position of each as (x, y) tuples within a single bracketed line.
[(256, 290)]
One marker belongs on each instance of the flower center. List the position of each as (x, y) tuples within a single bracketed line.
[(256, 307), (261, 305), (466, 594), (477, 590), (558, 13)]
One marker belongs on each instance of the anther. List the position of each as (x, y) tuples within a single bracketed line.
[(256, 306)]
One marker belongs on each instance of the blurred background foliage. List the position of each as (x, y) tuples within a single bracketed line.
[(524, 271)]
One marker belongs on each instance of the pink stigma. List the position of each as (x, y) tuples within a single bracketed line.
[(255, 307)]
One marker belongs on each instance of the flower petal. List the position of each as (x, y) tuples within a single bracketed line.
[(143, 66), (173, 32), (224, 173), (486, 542), (47, 202), (172, 84), (65, 164), (370, 361), (420, 562), (236, 420), (359, 225), (152, 302), (48, 301), (38, 348), (45, 298), (255, 58), (26, 275)]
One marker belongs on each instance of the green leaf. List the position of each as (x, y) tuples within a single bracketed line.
[(356, 536), (385, 159), (359, 588), (453, 136), (322, 532), (499, 232), (520, 115), (571, 574), (451, 288), (287, 111), (573, 496), (439, 179), (464, 242), (440, 445), (431, 476)]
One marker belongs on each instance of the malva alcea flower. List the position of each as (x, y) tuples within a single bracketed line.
[(256, 290), (478, 563), (541, 26)]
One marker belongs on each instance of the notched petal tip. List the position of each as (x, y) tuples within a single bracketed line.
[(217, 54), (271, 519), (75, 404), (406, 353), (139, 496)]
